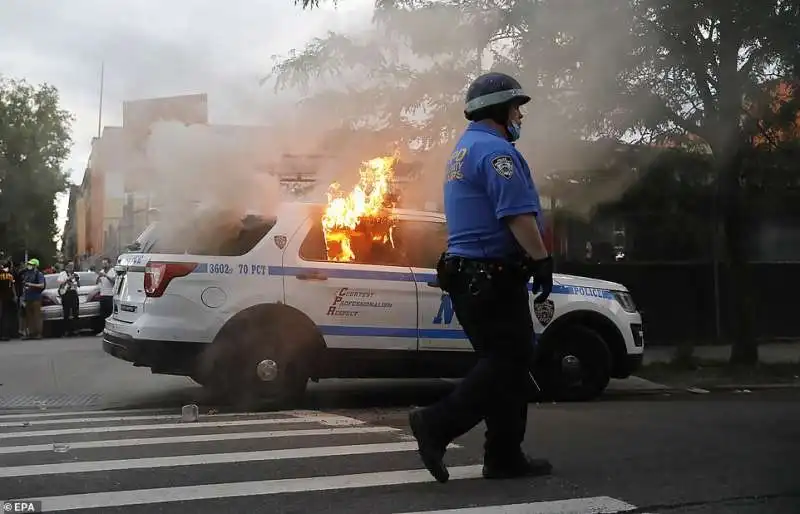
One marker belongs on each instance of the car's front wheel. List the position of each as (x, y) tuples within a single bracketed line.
[(576, 366)]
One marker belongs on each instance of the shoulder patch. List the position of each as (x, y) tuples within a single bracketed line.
[(504, 166)]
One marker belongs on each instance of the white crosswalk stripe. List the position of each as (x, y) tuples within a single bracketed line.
[(140, 461)]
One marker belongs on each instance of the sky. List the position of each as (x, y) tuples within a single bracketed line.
[(159, 48)]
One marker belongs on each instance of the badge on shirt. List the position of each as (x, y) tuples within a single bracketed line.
[(504, 166), (544, 311)]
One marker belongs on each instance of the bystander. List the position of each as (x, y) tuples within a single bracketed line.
[(106, 277), (8, 305), (33, 286)]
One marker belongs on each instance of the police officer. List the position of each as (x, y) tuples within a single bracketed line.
[(494, 247)]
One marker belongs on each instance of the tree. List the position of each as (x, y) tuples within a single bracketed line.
[(34, 142), (692, 67)]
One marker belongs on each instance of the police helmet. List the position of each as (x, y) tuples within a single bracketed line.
[(490, 91)]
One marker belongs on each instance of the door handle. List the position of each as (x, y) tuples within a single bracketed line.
[(433, 283), (311, 275)]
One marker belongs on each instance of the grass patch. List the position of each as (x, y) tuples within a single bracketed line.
[(717, 373)]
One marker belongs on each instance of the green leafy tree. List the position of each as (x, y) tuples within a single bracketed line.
[(34, 142)]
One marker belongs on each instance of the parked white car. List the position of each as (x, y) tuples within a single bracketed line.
[(264, 310), (89, 312)]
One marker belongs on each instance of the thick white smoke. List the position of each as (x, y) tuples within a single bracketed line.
[(220, 168), (205, 179)]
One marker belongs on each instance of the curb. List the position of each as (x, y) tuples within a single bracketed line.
[(667, 389), (752, 387), (643, 391)]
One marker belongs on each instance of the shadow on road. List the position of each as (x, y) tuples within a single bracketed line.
[(326, 395), (332, 395)]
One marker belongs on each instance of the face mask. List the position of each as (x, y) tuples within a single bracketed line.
[(514, 130)]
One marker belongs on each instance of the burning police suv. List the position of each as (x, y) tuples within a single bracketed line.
[(341, 290)]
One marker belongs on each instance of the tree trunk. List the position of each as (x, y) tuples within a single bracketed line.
[(744, 349), (730, 148)]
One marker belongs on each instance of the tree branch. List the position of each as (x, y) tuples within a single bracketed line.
[(755, 56), (670, 115), (694, 63)]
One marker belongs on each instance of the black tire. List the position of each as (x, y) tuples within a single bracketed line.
[(585, 382), (229, 366)]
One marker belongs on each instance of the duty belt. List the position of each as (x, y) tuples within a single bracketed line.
[(465, 265)]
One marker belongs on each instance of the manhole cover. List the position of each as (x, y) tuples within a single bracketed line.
[(49, 401)]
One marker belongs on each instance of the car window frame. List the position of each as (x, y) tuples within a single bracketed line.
[(316, 228), (433, 222), (150, 246)]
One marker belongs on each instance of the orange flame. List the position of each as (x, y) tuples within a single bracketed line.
[(362, 210)]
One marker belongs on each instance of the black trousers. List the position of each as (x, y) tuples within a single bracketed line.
[(8, 319), (69, 303), (106, 306), (497, 320)]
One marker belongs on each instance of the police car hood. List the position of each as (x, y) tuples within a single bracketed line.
[(596, 283)]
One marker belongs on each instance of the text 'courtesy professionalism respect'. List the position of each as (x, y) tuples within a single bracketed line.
[(350, 302)]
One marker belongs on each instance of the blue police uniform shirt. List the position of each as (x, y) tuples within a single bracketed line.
[(487, 180)]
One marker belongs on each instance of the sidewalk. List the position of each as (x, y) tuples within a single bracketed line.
[(769, 353)]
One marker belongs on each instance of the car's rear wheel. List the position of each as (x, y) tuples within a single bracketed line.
[(258, 356), (576, 366)]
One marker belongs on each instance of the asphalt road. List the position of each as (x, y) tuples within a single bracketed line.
[(76, 373), (694, 454), (350, 451)]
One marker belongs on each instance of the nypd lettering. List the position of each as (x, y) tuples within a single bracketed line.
[(504, 166)]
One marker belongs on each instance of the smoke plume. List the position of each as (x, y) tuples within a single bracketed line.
[(208, 178), (403, 79)]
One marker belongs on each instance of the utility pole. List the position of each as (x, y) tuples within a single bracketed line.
[(100, 110)]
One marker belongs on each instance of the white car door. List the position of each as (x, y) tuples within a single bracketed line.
[(424, 239), (369, 304)]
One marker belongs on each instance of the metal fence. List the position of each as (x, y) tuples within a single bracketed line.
[(678, 300)]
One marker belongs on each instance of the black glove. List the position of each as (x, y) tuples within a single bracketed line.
[(542, 278)]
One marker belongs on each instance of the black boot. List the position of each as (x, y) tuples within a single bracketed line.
[(516, 467), (430, 449)]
